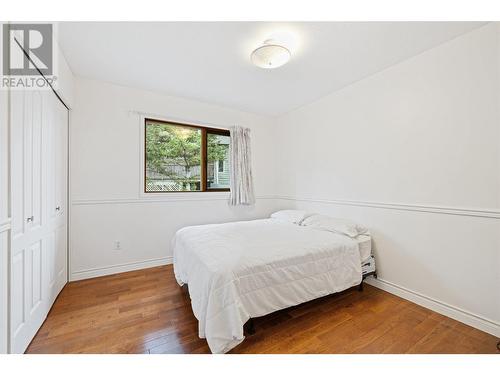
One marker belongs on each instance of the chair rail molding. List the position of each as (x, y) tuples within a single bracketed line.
[(490, 213), (176, 197)]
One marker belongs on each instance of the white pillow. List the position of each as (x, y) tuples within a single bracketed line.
[(290, 216), (336, 225)]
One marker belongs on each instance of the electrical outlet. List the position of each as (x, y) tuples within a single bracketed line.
[(118, 245)]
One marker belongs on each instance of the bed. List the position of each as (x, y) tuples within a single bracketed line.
[(242, 270)]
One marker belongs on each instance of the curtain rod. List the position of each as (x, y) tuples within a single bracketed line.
[(163, 117)]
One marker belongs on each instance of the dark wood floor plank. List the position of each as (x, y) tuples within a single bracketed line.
[(146, 311)]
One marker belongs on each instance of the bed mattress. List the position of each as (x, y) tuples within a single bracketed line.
[(242, 270)]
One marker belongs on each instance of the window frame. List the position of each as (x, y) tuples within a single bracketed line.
[(205, 130)]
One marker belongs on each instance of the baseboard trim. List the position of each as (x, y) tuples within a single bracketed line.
[(119, 268), (450, 311), (489, 213)]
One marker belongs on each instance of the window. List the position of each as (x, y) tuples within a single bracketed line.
[(217, 161), (182, 157)]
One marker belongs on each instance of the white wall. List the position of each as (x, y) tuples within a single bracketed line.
[(65, 79), (105, 175), (414, 153)]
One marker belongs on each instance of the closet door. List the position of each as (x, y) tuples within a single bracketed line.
[(52, 145), (60, 178), (28, 308), (39, 191)]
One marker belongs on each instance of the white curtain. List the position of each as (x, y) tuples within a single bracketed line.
[(240, 167)]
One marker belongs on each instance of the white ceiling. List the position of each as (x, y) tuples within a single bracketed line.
[(210, 61)]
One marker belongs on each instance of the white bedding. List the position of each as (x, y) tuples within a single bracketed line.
[(240, 270), (365, 246)]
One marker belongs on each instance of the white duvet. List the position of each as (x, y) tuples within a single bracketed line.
[(236, 271)]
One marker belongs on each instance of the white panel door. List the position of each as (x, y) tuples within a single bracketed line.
[(61, 160), (60, 260), (38, 235), (27, 261), (60, 192)]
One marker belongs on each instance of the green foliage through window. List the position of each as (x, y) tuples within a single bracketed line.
[(175, 154)]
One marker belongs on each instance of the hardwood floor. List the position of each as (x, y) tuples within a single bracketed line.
[(147, 312)]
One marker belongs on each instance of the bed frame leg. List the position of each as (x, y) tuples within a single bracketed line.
[(250, 328), (360, 286)]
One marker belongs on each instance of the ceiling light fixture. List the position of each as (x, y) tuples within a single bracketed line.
[(270, 55)]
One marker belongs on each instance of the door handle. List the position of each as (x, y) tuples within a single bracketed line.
[(30, 219), (58, 208)]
